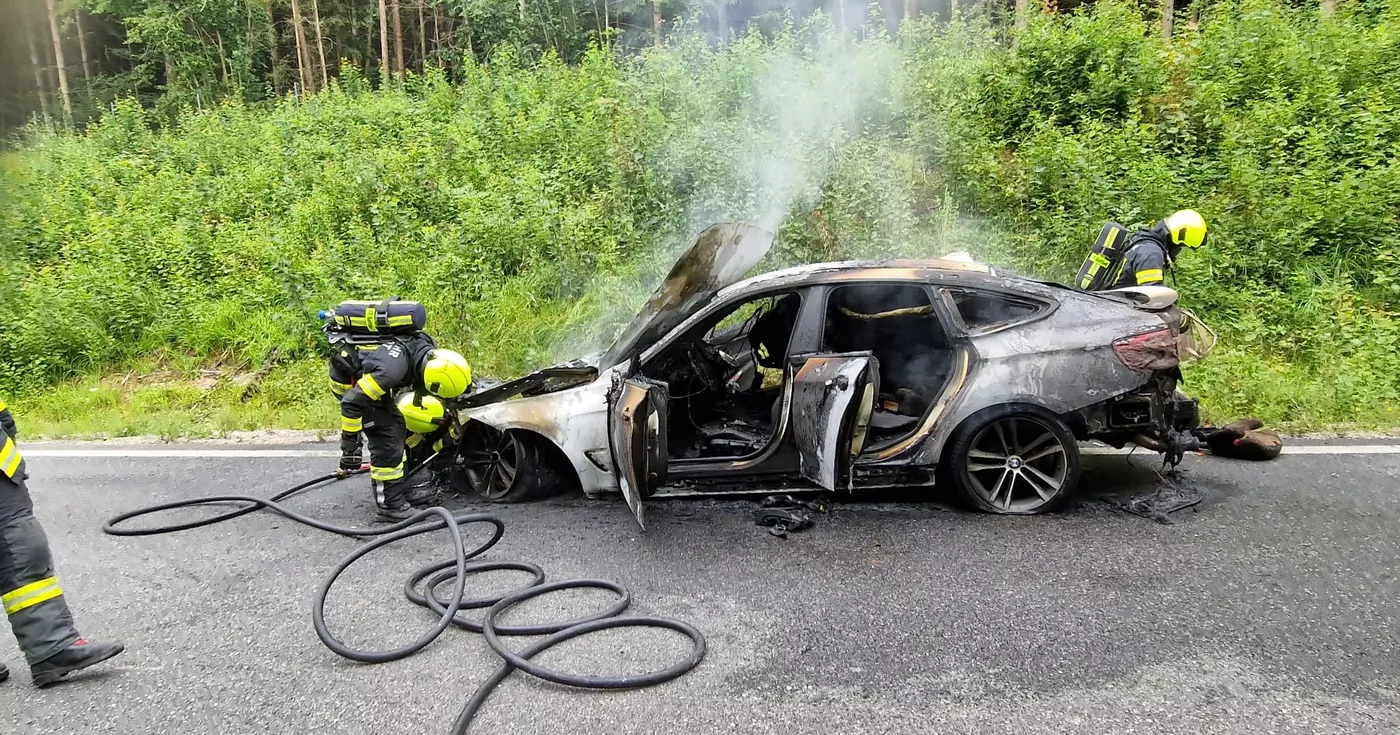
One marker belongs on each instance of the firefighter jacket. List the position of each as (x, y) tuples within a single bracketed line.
[(365, 376), (1145, 261), (11, 463)]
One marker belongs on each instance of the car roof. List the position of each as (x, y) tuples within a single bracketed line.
[(928, 270)]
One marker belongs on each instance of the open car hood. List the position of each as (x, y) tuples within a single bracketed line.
[(720, 257)]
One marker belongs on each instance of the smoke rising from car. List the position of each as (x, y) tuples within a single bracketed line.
[(801, 108), (756, 135)]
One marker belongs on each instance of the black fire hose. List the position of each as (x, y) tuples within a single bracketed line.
[(454, 570)]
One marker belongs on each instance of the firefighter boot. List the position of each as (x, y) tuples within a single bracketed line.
[(396, 511), (391, 499), (80, 655), (420, 496)]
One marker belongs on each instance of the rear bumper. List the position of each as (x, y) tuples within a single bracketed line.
[(1156, 410)]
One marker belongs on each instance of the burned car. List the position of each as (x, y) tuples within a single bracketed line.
[(843, 377)]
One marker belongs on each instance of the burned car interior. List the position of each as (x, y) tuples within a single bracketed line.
[(898, 325), (727, 376)]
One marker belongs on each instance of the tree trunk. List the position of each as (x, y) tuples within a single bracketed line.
[(467, 31), (911, 9), (422, 40), (272, 48), (1023, 11), (303, 56), (58, 62), (1168, 15), (383, 42), (38, 65), (83, 50), (437, 27), (656, 22), (320, 43), (368, 64), (722, 20), (522, 11), (223, 58), (398, 39), (1328, 8)]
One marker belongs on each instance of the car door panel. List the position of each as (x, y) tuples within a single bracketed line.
[(832, 400), (637, 429)]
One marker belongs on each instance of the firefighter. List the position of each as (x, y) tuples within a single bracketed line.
[(1150, 252), (431, 429), (33, 599), (365, 377)]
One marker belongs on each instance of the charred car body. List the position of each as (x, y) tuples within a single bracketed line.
[(842, 376)]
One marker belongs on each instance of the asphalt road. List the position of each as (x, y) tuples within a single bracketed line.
[(1272, 607)]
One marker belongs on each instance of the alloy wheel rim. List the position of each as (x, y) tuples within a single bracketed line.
[(491, 460), (1017, 464)]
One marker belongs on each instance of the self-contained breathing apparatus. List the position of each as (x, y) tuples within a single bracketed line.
[(353, 327), (1104, 258)]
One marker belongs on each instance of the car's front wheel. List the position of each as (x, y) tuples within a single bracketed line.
[(509, 466), (1016, 460)]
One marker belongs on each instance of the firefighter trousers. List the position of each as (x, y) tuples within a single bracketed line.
[(34, 604), (385, 433)]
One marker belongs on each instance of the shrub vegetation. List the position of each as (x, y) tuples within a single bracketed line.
[(531, 204)]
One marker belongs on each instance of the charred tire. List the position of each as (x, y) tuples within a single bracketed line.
[(509, 466), (1013, 460)]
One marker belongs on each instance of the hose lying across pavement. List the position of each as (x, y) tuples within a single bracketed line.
[(437, 574)]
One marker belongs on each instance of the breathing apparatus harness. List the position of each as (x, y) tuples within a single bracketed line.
[(1106, 255)]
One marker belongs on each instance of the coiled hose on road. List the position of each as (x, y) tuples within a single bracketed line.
[(437, 574)]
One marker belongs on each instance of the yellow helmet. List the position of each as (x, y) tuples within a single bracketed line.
[(421, 414), (446, 374), (1186, 227)]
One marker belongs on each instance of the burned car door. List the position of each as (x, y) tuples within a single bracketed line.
[(833, 397), (637, 429)]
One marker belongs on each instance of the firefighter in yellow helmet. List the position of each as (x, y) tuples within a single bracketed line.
[(1150, 252), (33, 599), (378, 351), (431, 429)]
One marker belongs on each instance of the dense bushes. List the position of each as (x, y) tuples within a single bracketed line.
[(530, 205), (1281, 127)]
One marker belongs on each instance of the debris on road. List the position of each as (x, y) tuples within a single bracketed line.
[(1169, 497), (783, 513), (1242, 439)]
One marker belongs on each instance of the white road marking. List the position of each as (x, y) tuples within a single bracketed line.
[(1340, 449), (134, 453), (179, 453), (1304, 449)]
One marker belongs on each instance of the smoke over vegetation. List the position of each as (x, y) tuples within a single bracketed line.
[(804, 103), (762, 152)]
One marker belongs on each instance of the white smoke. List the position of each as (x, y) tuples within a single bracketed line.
[(755, 131), (810, 96)]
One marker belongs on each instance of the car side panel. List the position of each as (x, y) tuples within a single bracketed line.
[(1063, 363), (576, 420)]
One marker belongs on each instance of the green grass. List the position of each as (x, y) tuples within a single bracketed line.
[(173, 404), (529, 204)]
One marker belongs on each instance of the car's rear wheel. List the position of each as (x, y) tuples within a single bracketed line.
[(508, 466), (1016, 460)]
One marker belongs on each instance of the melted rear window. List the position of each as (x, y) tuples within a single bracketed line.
[(982, 310)]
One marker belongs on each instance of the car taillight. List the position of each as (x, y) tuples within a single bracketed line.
[(1155, 350)]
